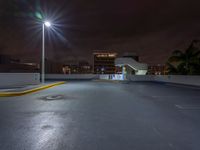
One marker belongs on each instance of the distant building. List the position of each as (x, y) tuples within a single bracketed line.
[(66, 69), (104, 62), (129, 64), (134, 56), (53, 67), (83, 67), (18, 68), (71, 69), (157, 69), (8, 64)]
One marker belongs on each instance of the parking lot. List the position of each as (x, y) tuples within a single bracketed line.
[(91, 115)]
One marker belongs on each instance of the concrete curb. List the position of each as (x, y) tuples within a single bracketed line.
[(10, 94)]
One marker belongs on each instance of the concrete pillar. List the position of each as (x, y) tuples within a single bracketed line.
[(124, 72)]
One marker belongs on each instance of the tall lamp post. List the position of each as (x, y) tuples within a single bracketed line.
[(45, 24)]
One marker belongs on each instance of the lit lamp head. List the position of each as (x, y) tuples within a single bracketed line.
[(47, 24)]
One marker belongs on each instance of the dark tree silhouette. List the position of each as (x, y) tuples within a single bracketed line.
[(185, 63)]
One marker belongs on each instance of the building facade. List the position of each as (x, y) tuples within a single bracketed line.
[(104, 62), (83, 67)]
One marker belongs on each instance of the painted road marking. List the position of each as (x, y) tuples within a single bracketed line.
[(188, 107), (191, 97), (10, 94)]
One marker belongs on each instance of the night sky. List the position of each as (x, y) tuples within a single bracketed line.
[(150, 28)]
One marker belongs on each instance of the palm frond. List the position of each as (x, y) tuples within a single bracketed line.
[(188, 62), (177, 53), (176, 59), (171, 69)]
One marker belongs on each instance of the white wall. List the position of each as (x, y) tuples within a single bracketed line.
[(18, 79), (71, 76), (111, 77)]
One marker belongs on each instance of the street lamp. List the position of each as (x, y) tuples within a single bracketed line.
[(47, 24)]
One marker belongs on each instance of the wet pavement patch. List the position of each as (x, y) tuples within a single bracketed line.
[(47, 127)]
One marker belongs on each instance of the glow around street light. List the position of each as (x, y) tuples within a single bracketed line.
[(47, 23)]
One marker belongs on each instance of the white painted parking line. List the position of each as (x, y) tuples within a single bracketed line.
[(154, 96), (191, 97), (188, 107)]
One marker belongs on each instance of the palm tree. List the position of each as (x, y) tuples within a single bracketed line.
[(185, 63)]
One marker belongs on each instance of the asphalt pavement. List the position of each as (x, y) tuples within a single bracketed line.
[(102, 116)]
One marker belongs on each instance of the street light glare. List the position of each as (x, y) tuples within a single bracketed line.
[(47, 23)]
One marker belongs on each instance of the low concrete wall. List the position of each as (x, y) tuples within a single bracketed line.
[(177, 79), (71, 76), (8, 80), (111, 77), (20, 79), (140, 77)]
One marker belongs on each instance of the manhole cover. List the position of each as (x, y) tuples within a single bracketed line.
[(52, 97)]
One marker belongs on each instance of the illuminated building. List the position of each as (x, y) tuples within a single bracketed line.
[(157, 69), (130, 65), (83, 67), (71, 69), (104, 62)]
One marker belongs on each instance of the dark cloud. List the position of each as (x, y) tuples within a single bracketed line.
[(150, 28)]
